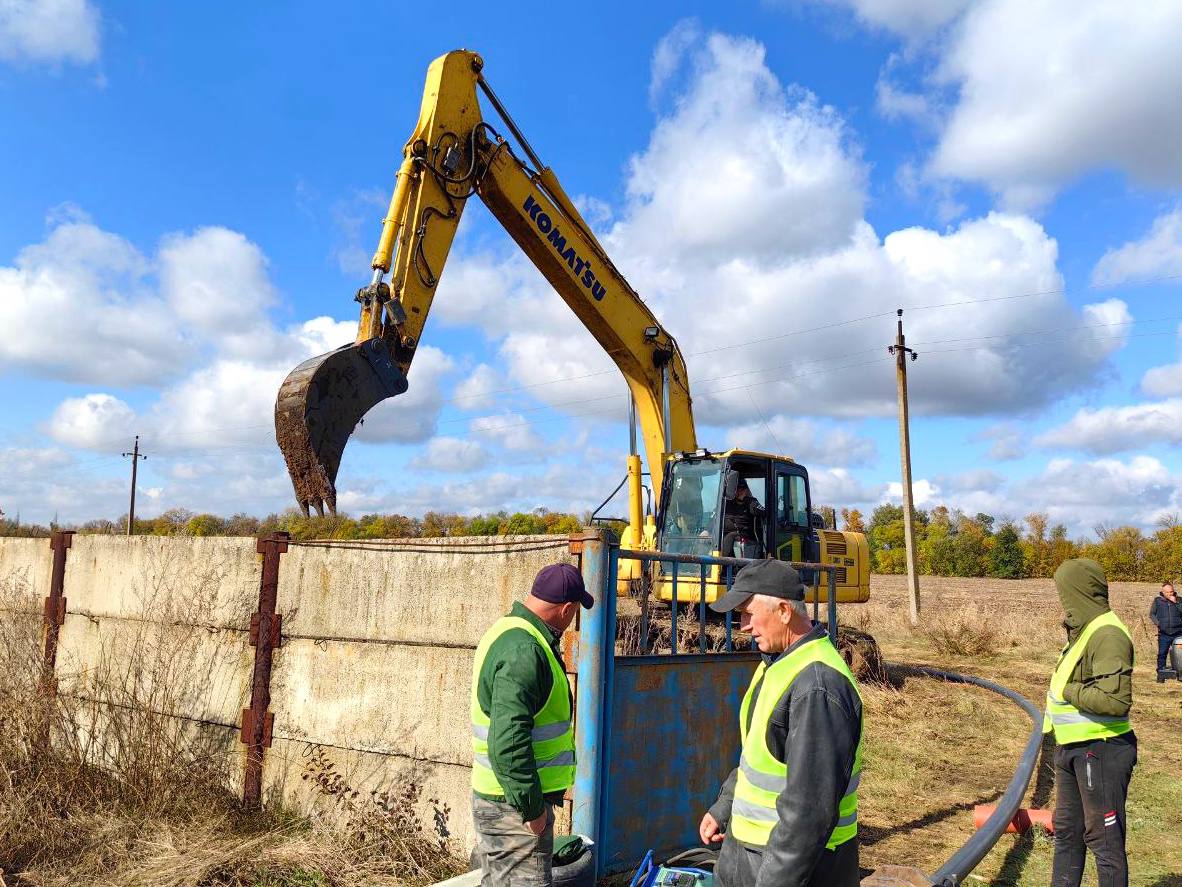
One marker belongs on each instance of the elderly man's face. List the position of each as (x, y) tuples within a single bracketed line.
[(1168, 591), (767, 623)]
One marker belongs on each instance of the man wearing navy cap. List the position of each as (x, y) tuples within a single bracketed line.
[(788, 814), (523, 740)]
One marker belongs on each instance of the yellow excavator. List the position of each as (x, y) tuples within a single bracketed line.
[(738, 502)]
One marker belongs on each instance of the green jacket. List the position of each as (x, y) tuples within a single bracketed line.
[(1102, 683), (513, 684)]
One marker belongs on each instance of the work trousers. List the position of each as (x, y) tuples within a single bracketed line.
[(510, 854), (738, 866), (1164, 642), (1091, 784)]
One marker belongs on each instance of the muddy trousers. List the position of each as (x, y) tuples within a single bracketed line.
[(510, 854), (1091, 784)]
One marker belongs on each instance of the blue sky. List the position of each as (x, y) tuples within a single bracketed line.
[(192, 194)]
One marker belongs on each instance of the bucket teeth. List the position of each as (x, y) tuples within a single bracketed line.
[(319, 404)]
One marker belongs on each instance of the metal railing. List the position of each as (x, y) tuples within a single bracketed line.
[(732, 565)]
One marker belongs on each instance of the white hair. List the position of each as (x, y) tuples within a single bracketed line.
[(770, 601)]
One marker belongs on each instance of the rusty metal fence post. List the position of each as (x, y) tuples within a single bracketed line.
[(265, 628), (53, 616)]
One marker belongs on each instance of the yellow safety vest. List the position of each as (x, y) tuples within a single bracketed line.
[(761, 776), (553, 736), (1069, 723)]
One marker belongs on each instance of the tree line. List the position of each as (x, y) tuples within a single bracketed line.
[(182, 522), (949, 542)]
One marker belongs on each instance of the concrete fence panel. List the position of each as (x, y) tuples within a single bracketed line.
[(370, 683)]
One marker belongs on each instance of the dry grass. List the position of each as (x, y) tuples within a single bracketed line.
[(969, 632), (125, 793)]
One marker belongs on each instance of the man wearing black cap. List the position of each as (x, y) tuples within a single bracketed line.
[(523, 741), (788, 814)]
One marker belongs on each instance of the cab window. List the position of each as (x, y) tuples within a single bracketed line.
[(792, 507)]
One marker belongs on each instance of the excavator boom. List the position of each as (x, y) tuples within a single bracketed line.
[(451, 155)]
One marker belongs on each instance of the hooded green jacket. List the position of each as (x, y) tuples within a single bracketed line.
[(1102, 682)]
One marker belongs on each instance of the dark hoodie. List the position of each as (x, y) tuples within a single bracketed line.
[(1102, 682)]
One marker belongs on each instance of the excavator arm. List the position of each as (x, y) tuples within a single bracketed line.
[(451, 155)]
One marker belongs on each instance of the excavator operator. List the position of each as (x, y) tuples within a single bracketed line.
[(740, 520)]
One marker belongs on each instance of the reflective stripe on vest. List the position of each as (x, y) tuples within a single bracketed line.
[(1069, 723), (552, 737), (761, 776)]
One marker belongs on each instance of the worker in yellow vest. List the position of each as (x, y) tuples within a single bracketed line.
[(1088, 711), (787, 816), (523, 740)]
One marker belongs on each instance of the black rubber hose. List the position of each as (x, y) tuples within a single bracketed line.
[(953, 872)]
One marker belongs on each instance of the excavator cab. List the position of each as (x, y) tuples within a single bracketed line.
[(748, 505)]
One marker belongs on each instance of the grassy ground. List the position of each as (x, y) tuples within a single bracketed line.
[(935, 749)]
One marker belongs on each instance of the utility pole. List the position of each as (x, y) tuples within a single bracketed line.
[(900, 350), (135, 458)]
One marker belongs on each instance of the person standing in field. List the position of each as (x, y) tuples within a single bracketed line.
[(1088, 706), (523, 740), (1166, 614)]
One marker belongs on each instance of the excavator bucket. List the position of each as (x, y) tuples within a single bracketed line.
[(319, 404)]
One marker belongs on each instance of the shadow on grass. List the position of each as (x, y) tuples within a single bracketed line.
[(869, 835), (1174, 880), (1044, 781)]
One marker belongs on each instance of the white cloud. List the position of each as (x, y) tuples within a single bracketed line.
[(511, 430), (736, 148), (1083, 495), (841, 489), (1163, 381), (1008, 441), (93, 422), (410, 417), (912, 19), (975, 480), (451, 454), (716, 282), (805, 441), (215, 280), (1048, 91), (23, 461), (669, 55), (1157, 254), (322, 334), (357, 220), (1117, 429), (479, 390), (39, 483), (75, 307), (924, 493), (49, 31), (86, 306), (229, 402), (558, 487), (896, 103)]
